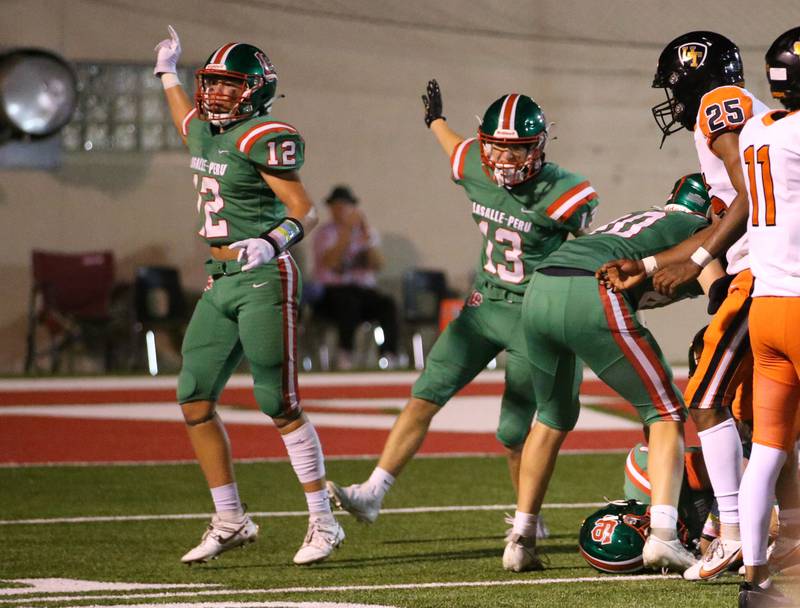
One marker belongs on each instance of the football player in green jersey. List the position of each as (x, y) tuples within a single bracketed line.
[(525, 208), (567, 315), (252, 207)]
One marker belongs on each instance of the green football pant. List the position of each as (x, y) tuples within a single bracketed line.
[(565, 317), (483, 329), (252, 315)]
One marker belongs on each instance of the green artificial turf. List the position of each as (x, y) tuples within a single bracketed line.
[(423, 551)]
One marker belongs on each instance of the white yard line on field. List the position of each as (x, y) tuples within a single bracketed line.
[(340, 588), (375, 378), (175, 516), (192, 461)]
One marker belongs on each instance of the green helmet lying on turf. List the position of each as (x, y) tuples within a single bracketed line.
[(690, 195), (612, 538), (237, 81), (512, 135)]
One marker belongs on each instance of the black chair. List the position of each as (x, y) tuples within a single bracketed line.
[(317, 340), (159, 304), (70, 302), (423, 292)]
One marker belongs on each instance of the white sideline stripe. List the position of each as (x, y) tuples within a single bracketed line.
[(273, 604), (191, 461), (177, 516), (245, 381), (396, 586)]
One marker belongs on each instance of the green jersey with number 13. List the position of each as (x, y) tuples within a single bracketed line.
[(233, 201), (524, 224)]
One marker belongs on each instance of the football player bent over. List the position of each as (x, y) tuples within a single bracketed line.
[(567, 315)]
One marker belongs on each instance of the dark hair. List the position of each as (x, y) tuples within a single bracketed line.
[(341, 193)]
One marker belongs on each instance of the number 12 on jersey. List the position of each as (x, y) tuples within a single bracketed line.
[(764, 196)]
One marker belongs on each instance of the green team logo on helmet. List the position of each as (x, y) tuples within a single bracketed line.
[(689, 195), (612, 538), (513, 134), (238, 81)]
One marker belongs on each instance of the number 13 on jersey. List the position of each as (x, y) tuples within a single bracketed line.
[(513, 253)]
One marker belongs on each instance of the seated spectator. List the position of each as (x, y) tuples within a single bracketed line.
[(347, 256)]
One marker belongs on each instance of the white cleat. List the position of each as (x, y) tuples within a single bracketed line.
[(542, 530), (356, 500), (520, 554), (718, 558), (323, 536), (659, 554), (220, 536)]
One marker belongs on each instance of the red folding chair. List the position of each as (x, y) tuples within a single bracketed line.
[(71, 303)]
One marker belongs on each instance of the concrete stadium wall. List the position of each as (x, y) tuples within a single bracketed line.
[(353, 73)]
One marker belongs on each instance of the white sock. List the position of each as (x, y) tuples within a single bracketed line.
[(664, 521), (379, 482), (722, 452), (525, 524), (305, 453), (318, 503), (756, 499), (226, 501)]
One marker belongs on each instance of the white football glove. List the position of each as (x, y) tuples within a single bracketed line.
[(168, 51), (254, 252)]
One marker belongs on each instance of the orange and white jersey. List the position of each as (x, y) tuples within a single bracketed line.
[(769, 147), (723, 109)]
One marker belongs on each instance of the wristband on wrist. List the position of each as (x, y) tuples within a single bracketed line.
[(169, 80), (650, 265), (285, 234), (701, 257)]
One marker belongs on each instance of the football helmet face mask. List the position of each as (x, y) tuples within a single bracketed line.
[(690, 195), (237, 81), (690, 66), (783, 68), (512, 136), (612, 538)]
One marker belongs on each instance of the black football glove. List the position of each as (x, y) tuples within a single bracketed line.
[(432, 101), (718, 292)]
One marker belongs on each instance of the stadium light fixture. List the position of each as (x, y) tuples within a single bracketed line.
[(38, 94)]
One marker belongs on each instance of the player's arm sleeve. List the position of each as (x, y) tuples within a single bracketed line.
[(723, 110), (275, 146), (459, 166), (575, 207)]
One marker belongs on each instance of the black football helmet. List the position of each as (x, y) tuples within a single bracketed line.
[(690, 66), (783, 68)]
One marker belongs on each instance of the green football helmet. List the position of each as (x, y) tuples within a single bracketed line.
[(237, 81), (612, 538), (513, 134), (689, 195)]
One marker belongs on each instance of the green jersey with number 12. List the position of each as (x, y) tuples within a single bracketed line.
[(633, 236), (233, 201), (521, 225)]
